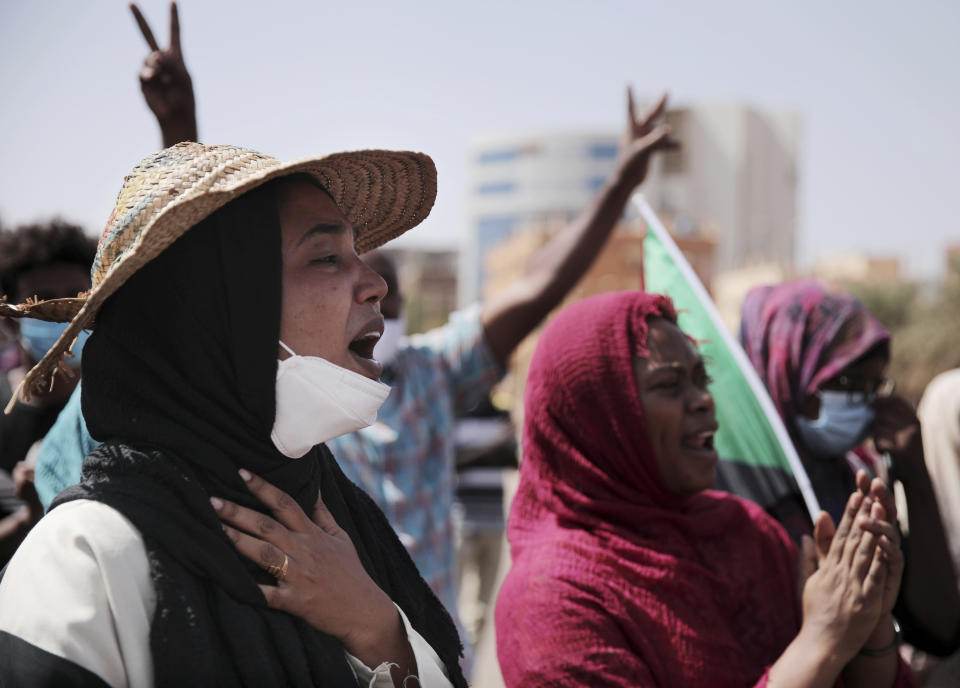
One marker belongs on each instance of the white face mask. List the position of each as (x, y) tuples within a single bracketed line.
[(317, 401), (394, 330), (841, 426)]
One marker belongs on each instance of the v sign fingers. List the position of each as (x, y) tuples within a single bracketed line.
[(144, 28), (166, 83), (652, 114), (174, 28)]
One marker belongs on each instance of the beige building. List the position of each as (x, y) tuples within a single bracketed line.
[(857, 267), (730, 288), (736, 173), (953, 258)]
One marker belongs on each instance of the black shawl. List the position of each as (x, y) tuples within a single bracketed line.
[(178, 382)]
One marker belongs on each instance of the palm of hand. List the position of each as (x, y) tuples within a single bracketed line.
[(856, 578), (840, 606), (166, 84)]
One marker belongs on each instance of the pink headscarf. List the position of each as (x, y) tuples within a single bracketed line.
[(799, 335), (615, 580)]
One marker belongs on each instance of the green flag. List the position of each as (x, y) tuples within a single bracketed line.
[(752, 439)]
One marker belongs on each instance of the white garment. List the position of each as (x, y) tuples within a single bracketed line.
[(939, 414), (79, 587)]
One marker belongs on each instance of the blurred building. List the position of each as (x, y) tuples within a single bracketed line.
[(731, 287), (857, 267), (953, 258), (428, 282), (735, 179)]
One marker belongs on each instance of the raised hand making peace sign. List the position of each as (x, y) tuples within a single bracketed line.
[(166, 84), (643, 137)]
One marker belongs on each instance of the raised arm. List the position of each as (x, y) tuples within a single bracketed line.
[(557, 267), (166, 84)]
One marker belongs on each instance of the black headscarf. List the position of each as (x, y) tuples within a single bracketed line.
[(178, 382)]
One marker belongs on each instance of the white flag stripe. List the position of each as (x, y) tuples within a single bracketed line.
[(746, 367)]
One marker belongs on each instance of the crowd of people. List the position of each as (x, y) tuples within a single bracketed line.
[(209, 479)]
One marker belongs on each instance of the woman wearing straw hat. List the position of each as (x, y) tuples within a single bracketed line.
[(214, 540)]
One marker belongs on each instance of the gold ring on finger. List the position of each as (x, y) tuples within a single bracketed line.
[(279, 572)]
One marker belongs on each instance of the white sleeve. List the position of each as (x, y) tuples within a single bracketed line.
[(79, 588), (430, 668)]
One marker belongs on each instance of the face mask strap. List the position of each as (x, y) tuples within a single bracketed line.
[(289, 350)]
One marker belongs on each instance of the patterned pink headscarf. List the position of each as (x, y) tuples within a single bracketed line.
[(799, 335)]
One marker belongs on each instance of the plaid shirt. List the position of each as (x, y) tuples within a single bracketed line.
[(406, 461)]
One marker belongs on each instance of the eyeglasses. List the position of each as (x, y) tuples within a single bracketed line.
[(859, 390)]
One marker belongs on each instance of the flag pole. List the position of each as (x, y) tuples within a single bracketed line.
[(750, 374)]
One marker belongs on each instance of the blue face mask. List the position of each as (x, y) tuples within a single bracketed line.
[(38, 336), (842, 425)]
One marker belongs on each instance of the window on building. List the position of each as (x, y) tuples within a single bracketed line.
[(498, 155), (603, 151), (496, 187), (594, 183)]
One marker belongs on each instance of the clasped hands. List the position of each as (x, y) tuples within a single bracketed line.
[(850, 574)]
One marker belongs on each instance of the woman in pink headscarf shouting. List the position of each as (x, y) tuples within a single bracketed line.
[(629, 571)]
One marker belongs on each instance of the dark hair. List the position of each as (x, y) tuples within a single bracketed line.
[(36, 245)]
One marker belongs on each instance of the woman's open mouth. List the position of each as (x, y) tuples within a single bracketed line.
[(701, 443), (361, 349), (363, 346)]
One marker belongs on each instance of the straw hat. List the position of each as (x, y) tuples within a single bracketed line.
[(381, 193)]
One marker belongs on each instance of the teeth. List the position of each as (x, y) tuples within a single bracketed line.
[(700, 440)]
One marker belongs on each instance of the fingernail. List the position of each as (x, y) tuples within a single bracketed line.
[(245, 474), (217, 503), (855, 500)]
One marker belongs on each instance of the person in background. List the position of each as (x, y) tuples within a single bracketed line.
[(939, 414), (628, 570), (822, 357), (46, 261), (406, 461), (487, 453)]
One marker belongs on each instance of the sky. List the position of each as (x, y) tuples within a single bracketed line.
[(875, 82)]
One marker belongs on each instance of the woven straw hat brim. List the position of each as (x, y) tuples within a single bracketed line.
[(53, 310), (381, 193)]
